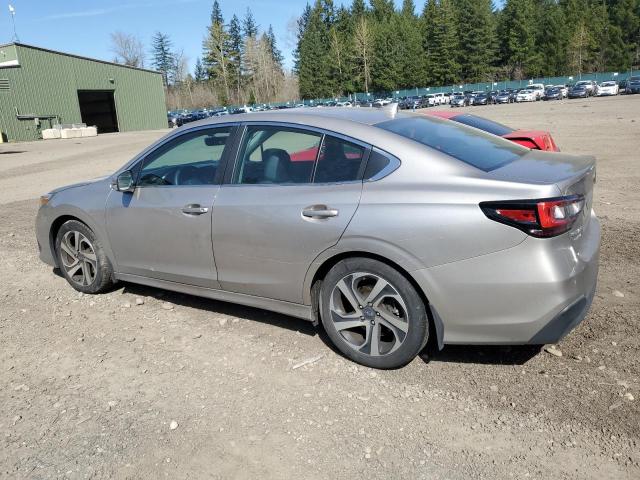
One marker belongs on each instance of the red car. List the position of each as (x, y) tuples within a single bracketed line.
[(534, 139)]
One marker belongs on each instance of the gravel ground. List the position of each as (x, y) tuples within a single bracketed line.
[(144, 383)]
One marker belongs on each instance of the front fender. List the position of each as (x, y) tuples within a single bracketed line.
[(65, 204)]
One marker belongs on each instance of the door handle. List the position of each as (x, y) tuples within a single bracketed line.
[(194, 209), (319, 211)]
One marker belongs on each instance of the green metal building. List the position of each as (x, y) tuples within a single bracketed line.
[(40, 88)]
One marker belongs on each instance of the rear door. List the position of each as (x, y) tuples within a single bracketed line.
[(289, 196)]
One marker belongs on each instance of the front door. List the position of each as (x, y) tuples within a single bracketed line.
[(290, 197), (163, 229)]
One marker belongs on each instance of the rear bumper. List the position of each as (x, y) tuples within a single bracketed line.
[(533, 293)]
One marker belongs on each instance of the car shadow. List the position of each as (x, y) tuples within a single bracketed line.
[(478, 354), (225, 308), (481, 354)]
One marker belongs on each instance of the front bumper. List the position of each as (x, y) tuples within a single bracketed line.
[(533, 293), (44, 221)]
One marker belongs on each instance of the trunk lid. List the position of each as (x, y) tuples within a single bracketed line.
[(571, 174)]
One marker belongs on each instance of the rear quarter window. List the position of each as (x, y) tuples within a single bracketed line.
[(469, 145), (484, 124)]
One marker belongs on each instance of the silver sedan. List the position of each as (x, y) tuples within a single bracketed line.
[(388, 228)]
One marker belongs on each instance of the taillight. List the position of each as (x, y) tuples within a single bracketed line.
[(539, 218)]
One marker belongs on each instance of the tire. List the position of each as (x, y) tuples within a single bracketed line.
[(81, 258), (388, 332)]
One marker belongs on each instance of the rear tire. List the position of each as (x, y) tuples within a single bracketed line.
[(373, 314), (82, 260)]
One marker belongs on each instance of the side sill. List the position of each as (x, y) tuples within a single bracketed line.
[(303, 312)]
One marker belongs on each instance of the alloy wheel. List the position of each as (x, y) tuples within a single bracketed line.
[(369, 314), (79, 258)]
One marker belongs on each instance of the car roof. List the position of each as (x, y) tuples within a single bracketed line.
[(311, 116)]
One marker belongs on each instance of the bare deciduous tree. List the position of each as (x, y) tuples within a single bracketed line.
[(128, 49), (363, 39)]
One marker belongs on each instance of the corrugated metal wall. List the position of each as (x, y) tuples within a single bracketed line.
[(47, 83)]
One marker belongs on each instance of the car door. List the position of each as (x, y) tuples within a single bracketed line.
[(163, 228), (290, 196)]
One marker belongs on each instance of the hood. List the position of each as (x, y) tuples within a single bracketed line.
[(80, 184)]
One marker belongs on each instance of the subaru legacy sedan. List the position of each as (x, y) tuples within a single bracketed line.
[(386, 227)]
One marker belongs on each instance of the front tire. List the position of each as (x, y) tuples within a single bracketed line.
[(81, 258), (373, 314)]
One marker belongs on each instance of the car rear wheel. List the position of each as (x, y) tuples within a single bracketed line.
[(373, 314), (81, 258)]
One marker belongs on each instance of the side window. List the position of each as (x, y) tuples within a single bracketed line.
[(379, 165), (190, 159), (273, 155), (339, 161)]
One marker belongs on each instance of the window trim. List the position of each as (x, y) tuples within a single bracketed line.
[(140, 162), (231, 167)]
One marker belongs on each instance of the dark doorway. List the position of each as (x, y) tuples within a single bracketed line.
[(97, 107)]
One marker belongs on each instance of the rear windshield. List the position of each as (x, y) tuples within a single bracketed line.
[(479, 149), (483, 124)]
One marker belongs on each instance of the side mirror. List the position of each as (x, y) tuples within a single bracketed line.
[(124, 182)]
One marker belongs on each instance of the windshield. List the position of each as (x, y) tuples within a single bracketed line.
[(474, 147), (609, 84), (634, 79)]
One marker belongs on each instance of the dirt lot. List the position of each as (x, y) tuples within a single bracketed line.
[(90, 386)]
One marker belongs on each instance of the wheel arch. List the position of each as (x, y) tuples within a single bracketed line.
[(78, 215), (315, 278)]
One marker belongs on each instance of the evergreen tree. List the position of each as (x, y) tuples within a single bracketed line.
[(236, 45), (411, 60), (249, 25), (276, 54), (385, 70), (517, 35), (162, 57), (550, 39), (301, 26), (358, 8), (199, 73), (476, 35), (444, 47), (216, 53), (314, 62)]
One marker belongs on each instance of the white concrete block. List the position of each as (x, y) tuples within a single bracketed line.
[(70, 133), (50, 133), (89, 131)]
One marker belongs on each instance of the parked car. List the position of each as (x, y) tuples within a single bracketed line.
[(481, 99), (564, 89), (505, 96), (473, 95), (344, 104), (493, 94), (440, 98), (505, 250), (412, 103), (579, 91), (590, 86), (552, 93), (538, 89), (526, 96), (459, 100), (607, 89), (633, 85), (381, 102), (534, 139)]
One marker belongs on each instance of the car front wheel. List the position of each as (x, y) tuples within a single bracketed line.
[(373, 314), (81, 258)]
